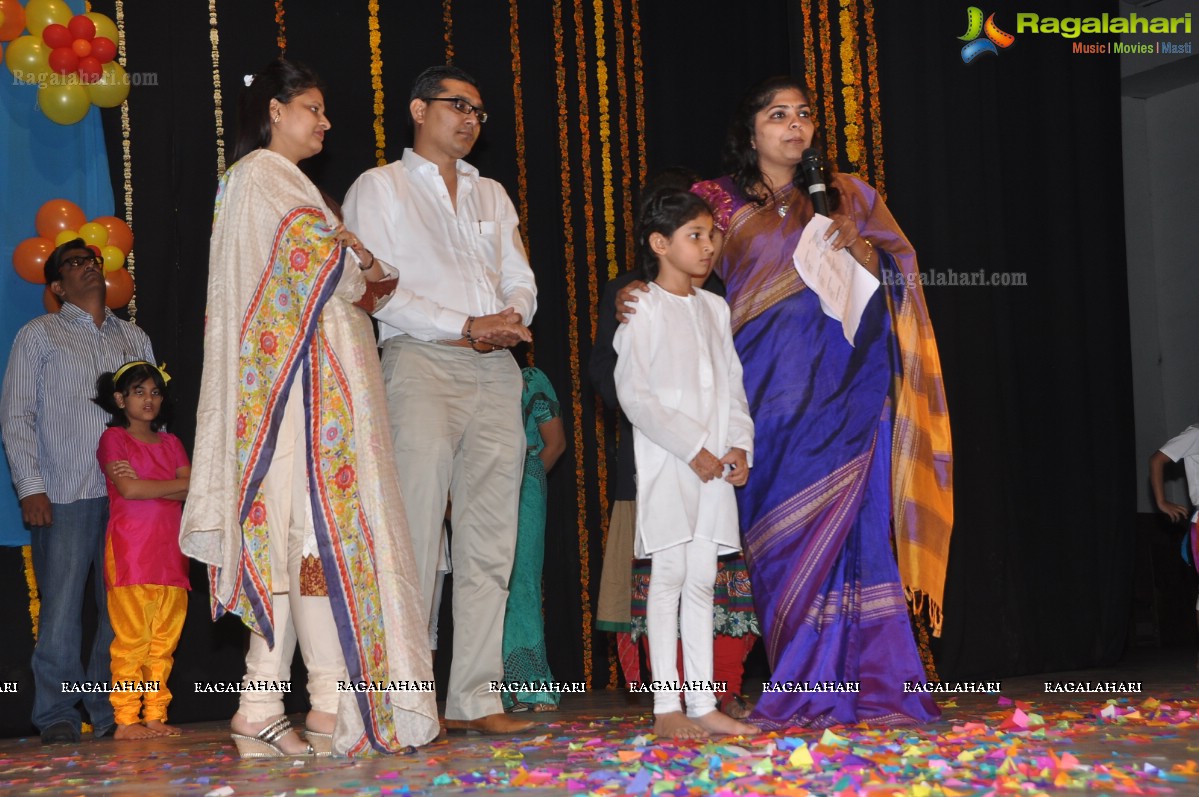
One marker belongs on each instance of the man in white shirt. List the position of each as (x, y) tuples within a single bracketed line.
[(453, 389)]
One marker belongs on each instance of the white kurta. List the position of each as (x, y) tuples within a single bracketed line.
[(679, 382)]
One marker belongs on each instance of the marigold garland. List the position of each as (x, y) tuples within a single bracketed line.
[(376, 37), (809, 46), (876, 121), (851, 70), (522, 177), (573, 337), (447, 18), (826, 68), (126, 161), (35, 601), (638, 92), (626, 176), (219, 114), (281, 37)]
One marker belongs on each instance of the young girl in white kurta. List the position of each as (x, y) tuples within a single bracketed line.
[(679, 381)]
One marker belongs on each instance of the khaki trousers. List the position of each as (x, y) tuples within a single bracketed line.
[(456, 424)]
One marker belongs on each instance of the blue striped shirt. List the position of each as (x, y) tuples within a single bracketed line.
[(50, 424)]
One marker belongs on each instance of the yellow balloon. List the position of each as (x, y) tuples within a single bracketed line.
[(94, 233), (28, 58), (104, 26), (40, 13), (64, 236), (64, 104), (113, 258), (112, 88)]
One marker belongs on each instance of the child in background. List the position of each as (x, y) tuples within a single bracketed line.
[(524, 628), (678, 379), (1185, 447), (146, 471)]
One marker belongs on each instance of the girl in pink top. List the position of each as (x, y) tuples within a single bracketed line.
[(147, 472)]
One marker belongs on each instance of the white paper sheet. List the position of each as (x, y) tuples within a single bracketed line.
[(844, 287)]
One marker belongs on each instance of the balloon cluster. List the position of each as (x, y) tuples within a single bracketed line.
[(61, 220), (68, 57)]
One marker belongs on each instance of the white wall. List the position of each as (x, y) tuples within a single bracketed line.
[(1160, 126)]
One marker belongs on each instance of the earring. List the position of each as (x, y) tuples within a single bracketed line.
[(276, 119)]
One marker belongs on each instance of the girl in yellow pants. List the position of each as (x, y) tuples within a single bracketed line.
[(147, 475)]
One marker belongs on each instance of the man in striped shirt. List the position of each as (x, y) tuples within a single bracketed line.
[(51, 430)]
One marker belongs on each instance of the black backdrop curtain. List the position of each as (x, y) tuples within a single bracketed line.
[(1009, 164)]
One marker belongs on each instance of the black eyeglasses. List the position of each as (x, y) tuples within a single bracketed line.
[(461, 106), (91, 261)]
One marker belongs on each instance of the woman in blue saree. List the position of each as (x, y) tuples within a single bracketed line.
[(854, 437)]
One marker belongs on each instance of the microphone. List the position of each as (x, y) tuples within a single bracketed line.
[(813, 171)]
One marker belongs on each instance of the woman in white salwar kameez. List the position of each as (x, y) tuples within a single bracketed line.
[(296, 505)]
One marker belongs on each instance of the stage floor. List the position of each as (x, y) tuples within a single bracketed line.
[(1024, 740)]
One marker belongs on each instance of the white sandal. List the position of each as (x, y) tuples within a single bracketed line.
[(321, 743)]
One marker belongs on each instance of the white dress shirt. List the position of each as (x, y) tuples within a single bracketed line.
[(452, 264)]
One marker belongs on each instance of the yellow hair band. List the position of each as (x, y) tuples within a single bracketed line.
[(162, 370)]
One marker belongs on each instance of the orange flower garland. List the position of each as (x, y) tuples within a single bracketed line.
[(826, 69), (35, 601), (639, 92), (281, 37), (626, 177), (809, 47), (522, 178), (572, 306), (876, 121), (851, 70), (375, 38), (447, 18)]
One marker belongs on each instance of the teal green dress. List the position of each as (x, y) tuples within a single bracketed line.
[(524, 628)]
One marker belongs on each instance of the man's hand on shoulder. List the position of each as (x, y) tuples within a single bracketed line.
[(36, 510)]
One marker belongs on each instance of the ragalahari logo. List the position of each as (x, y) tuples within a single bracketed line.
[(995, 40)]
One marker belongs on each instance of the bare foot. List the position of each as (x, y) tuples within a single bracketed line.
[(675, 725), (134, 731), (290, 743), (719, 724), (162, 729), (320, 722), (541, 708)]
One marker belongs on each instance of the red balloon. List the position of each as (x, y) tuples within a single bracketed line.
[(29, 259), (57, 215), (119, 234), (120, 288), (56, 36), (81, 27), (63, 60), (82, 47), (90, 69), (104, 49)]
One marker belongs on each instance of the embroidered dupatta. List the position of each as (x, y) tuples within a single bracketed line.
[(279, 309)]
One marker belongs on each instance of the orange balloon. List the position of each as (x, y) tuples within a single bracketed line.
[(14, 20), (29, 259), (119, 234), (58, 215), (120, 288), (50, 301)]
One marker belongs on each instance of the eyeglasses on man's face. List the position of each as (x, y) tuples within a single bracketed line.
[(461, 106), (85, 261)]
